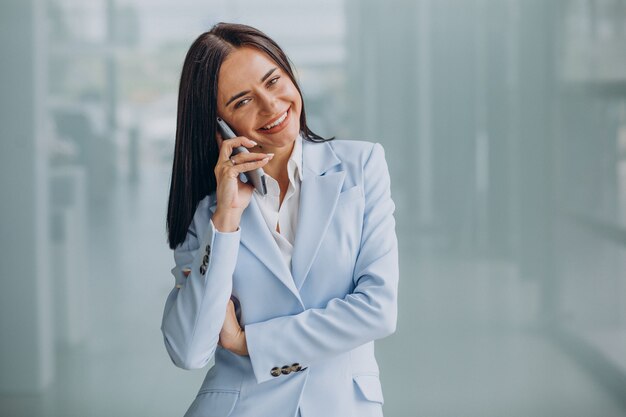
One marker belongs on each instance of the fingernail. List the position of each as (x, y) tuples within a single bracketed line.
[(270, 155), (253, 142)]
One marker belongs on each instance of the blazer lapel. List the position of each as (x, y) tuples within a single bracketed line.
[(318, 197), (258, 239)]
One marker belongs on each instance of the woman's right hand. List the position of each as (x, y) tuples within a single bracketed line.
[(233, 195)]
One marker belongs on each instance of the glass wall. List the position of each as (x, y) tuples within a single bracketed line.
[(504, 128)]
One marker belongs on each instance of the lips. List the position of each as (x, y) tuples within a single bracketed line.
[(283, 118)]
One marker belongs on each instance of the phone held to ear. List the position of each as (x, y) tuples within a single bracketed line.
[(256, 177)]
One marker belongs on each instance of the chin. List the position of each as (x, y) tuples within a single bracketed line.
[(282, 139)]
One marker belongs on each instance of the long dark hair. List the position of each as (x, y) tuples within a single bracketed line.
[(196, 151)]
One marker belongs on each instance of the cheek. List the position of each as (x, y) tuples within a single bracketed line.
[(247, 125), (290, 90), (244, 117), (295, 97)]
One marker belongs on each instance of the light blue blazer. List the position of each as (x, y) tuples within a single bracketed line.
[(310, 330)]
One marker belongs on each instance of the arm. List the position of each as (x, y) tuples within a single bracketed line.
[(366, 314), (195, 308)]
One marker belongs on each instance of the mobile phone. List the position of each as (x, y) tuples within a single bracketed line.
[(256, 177)]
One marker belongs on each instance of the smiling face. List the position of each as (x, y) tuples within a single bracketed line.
[(258, 99)]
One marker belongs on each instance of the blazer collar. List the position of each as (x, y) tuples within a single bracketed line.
[(317, 158)]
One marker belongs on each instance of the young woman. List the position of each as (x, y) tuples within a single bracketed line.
[(285, 291)]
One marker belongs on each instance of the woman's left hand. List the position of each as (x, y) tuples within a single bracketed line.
[(232, 336)]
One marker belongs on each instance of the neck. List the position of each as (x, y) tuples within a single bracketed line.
[(277, 166)]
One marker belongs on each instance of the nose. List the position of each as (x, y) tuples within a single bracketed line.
[(268, 102)]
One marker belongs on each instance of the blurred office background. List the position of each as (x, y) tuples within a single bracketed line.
[(504, 125)]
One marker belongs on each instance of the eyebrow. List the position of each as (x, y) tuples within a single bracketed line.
[(243, 93)]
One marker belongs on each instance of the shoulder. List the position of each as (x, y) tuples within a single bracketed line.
[(358, 152), (200, 223), (347, 148), (207, 202)]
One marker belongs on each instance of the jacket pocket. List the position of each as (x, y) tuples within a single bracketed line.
[(369, 386), (213, 403), (352, 193)]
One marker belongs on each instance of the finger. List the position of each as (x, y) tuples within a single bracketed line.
[(249, 157), (227, 318), (249, 166), (246, 162), (230, 319), (229, 144)]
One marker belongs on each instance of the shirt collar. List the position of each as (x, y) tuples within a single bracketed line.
[(294, 165)]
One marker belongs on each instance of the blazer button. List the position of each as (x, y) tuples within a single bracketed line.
[(285, 370), (205, 260), (208, 249), (203, 269), (275, 371), (296, 367)]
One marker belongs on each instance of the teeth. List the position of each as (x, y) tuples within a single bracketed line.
[(277, 122)]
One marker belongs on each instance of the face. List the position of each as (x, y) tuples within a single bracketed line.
[(258, 99)]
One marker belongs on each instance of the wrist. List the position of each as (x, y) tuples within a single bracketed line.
[(226, 221)]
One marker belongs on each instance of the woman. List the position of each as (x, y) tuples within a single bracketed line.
[(286, 291)]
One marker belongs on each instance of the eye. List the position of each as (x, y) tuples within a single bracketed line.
[(273, 81), (242, 102)]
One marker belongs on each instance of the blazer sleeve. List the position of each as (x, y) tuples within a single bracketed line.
[(195, 308), (366, 314)]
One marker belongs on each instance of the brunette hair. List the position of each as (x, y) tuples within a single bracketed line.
[(196, 151)]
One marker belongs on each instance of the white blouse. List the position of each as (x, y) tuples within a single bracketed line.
[(284, 215)]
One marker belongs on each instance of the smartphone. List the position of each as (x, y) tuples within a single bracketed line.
[(256, 177)]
